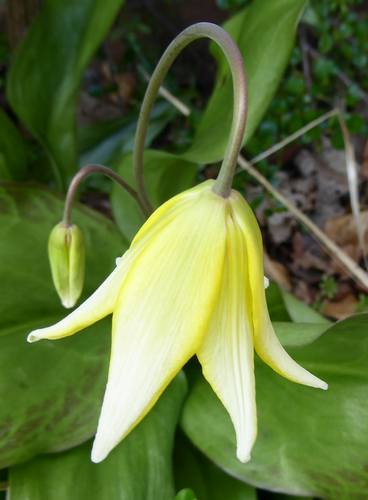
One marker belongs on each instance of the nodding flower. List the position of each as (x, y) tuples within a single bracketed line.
[(191, 283)]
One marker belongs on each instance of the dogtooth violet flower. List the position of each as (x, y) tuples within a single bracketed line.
[(192, 282)]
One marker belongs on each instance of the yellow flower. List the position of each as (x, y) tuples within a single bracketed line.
[(191, 283)]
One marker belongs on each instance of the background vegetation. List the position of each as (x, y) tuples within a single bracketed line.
[(72, 77)]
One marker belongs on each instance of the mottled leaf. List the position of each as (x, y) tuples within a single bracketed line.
[(50, 391), (310, 442), (138, 469), (47, 69)]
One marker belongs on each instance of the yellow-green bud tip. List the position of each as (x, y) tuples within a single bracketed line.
[(67, 262)]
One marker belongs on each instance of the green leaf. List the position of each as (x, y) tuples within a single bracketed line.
[(46, 73), (208, 481), (310, 442), (13, 151), (50, 391), (299, 334), (284, 307), (105, 142), (165, 175), (276, 304), (185, 494), (264, 32), (138, 469), (301, 312)]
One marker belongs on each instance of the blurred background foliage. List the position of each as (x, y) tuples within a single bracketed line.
[(72, 78)]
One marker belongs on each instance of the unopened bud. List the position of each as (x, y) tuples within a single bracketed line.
[(67, 259)]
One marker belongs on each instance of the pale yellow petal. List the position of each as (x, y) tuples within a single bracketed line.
[(266, 343), (171, 207), (96, 307), (161, 315), (226, 353), (102, 301)]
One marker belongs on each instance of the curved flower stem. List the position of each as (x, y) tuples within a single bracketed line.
[(235, 60), (85, 172)]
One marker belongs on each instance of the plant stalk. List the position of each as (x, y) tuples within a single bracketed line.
[(85, 172), (224, 41)]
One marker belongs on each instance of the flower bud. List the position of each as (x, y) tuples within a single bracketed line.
[(67, 258)]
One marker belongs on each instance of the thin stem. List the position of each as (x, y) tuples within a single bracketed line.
[(85, 172), (235, 60), (343, 258), (291, 138), (348, 263)]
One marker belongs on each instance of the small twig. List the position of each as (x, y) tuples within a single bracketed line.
[(305, 61), (351, 168), (349, 264), (345, 260), (166, 94), (353, 183), (293, 137)]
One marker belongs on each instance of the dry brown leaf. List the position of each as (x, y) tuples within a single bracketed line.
[(277, 272), (342, 230), (341, 309)]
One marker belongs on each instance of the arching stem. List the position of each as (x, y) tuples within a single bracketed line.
[(85, 172), (224, 41)]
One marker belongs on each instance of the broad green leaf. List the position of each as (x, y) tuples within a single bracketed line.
[(50, 391), (265, 34), (283, 306), (208, 482), (138, 469), (46, 73), (299, 334), (165, 175), (301, 312), (310, 442), (13, 152), (276, 303)]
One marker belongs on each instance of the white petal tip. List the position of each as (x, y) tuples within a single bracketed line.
[(266, 282), (33, 337), (68, 303), (316, 383), (243, 457), (98, 454)]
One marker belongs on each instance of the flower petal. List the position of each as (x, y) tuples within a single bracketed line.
[(96, 307), (102, 301), (266, 343), (226, 353), (170, 208), (161, 315)]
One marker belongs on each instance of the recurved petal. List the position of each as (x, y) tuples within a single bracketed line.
[(266, 342), (102, 301), (96, 307), (226, 353), (161, 314)]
